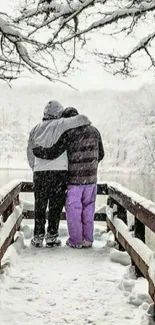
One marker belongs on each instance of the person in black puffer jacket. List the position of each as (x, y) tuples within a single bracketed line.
[(84, 150)]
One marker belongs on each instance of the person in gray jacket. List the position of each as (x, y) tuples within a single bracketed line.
[(50, 177)]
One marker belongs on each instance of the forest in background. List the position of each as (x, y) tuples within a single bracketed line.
[(126, 120)]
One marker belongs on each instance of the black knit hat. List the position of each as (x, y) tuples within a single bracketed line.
[(69, 112)]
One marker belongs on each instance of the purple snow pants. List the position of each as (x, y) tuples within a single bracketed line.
[(80, 210)]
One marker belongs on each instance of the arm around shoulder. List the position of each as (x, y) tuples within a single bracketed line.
[(55, 151)]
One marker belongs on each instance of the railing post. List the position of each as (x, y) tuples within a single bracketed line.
[(122, 215), (7, 212), (139, 232), (16, 200), (110, 204)]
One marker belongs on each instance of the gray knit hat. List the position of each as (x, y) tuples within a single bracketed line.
[(53, 109)]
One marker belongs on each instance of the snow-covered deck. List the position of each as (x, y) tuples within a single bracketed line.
[(63, 285), (67, 286)]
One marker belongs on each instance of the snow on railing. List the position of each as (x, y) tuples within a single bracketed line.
[(120, 202), (7, 226), (134, 197), (6, 189), (10, 214)]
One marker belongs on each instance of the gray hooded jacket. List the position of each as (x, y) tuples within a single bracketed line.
[(47, 133)]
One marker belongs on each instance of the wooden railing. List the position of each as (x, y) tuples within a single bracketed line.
[(10, 217), (27, 187), (9, 199), (120, 201)]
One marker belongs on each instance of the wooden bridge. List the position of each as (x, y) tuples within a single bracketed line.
[(120, 203)]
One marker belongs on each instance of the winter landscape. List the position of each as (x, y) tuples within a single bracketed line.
[(96, 56), (126, 120)]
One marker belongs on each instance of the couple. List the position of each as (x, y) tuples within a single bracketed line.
[(64, 151)]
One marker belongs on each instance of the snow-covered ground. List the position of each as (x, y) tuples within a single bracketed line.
[(66, 286)]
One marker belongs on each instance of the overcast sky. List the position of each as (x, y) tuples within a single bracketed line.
[(93, 75)]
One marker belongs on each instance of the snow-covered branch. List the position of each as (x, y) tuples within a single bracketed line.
[(46, 30), (14, 54)]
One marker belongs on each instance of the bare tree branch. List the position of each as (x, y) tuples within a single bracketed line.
[(67, 26)]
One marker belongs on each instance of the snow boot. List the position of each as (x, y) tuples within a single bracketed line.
[(52, 241), (37, 241), (78, 246), (86, 244)]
